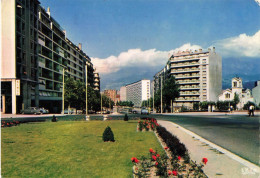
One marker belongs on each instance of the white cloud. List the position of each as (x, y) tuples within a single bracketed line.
[(242, 45), (137, 57), (258, 2)]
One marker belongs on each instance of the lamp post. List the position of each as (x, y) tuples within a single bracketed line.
[(101, 104), (63, 89), (161, 95), (86, 71), (153, 97)]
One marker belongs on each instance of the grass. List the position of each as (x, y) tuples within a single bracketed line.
[(73, 149)]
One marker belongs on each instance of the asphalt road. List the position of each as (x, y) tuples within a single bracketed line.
[(237, 133)]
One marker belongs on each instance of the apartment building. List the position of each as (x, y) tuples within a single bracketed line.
[(198, 73), (96, 81), (112, 94), (138, 92), (35, 51)]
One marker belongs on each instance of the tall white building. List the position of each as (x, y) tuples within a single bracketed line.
[(199, 75), (123, 93), (138, 92)]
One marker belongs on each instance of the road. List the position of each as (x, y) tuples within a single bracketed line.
[(236, 133)]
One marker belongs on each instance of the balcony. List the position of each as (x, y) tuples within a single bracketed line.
[(188, 81), (187, 99), (186, 64), (176, 71), (189, 93), (186, 76)]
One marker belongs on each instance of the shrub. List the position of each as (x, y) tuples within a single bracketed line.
[(54, 119), (126, 117), (108, 135), (177, 148)]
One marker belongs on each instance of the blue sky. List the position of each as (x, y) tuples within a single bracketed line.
[(129, 40)]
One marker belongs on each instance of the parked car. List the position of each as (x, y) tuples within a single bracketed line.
[(144, 111), (44, 111), (31, 110), (134, 112)]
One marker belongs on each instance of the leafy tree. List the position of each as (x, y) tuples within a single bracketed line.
[(125, 103), (223, 105), (196, 106), (236, 100), (170, 91)]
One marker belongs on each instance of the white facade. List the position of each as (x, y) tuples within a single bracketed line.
[(138, 92), (237, 87), (199, 75), (256, 93), (123, 93)]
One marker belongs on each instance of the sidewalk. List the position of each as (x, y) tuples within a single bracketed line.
[(221, 163)]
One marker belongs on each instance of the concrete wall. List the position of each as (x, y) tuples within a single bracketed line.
[(215, 76), (8, 69)]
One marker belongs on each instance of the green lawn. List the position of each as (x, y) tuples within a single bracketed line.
[(72, 149)]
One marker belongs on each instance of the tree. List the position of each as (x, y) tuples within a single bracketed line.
[(170, 91), (236, 100)]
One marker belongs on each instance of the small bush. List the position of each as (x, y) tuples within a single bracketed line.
[(108, 135), (126, 117), (54, 118)]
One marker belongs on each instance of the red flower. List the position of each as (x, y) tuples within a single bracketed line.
[(175, 173), (154, 158), (151, 150), (156, 164), (135, 160), (179, 158), (169, 172), (166, 148), (158, 155), (7, 124), (205, 160)]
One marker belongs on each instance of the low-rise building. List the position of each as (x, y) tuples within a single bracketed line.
[(237, 88)]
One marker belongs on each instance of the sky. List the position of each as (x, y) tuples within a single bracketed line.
[(130, 40)]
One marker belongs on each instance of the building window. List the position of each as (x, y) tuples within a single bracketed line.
[(235, 84), (227, 95)]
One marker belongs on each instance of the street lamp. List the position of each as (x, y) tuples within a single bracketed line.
[(63, 89), (161, 94), (86, 71)]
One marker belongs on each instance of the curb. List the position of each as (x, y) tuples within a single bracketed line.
[(246, 163)]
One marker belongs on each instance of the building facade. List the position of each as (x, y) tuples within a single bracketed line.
[(35, 52), (237, 87), (123, 93), (96, 81), (198, 74), (256, 93), (138, 92), (111, 94)]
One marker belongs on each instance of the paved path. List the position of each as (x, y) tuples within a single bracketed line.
[(222, 163)]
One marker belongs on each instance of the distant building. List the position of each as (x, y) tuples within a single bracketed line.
[(198, 73), (237, 87), (256, 92), (138, 92), (112, 94), (123, 93)]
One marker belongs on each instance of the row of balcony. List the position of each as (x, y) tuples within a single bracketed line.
[(187, 76), (174, 71), (186, 64), (188, 81), (189, 93)]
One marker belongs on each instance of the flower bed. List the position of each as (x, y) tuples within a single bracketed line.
[(174, 162), (9, 124)]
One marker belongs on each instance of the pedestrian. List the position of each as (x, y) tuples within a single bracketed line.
[(231, 109), (251, 110)]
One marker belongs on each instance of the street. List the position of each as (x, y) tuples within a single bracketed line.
[(236, 133)]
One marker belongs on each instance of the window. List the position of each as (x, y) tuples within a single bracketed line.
[(227, 95), (235, 84)]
